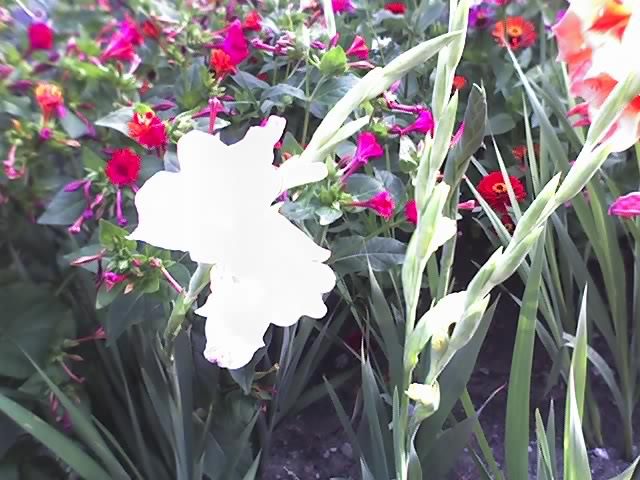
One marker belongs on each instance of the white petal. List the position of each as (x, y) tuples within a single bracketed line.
[(200, 153), (161, 205), (295, 172)]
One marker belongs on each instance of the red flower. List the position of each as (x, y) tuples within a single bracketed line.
[(516, 32), (494, 190), (253, 21), (40, 36), (411, 212), (123, 168), (221, 63), (398, 8), (148, 130), (359, 48), (151, 29), (459, 82), (264, 76)]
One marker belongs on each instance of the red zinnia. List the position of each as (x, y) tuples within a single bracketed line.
[(221, 63), (253, 21), (516, 32), (148, 130), (40, 36), (398, 8), (123, 167), (494, 190)]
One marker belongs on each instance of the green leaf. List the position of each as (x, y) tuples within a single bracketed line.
[(248, 81), (29, 318), (191, 90), (58, 443), (111, 235), (330, 92), (500, 123), (446, 449), (334, 62), (328, 215), (64, 208), (131, 309), (278, 91), (117, 120), (354, 254), (91, 160), (363, 186), (576, 461), (72, 125), (516, 441)]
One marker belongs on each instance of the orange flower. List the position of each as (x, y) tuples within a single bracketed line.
[(598, 41), (221, 63), (49, 98), (516, 32)]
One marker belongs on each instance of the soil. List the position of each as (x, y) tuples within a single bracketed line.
[(313, 446)]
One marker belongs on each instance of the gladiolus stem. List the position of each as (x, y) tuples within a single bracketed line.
[(199, 280)]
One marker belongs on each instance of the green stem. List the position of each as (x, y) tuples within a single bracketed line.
[(185, 300)]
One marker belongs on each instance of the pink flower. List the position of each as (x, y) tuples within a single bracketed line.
[(368, 147), (382, 203), (235, 44), (359, 48), (342, 6), (121, 45), (458, 135), (626, 206), (40, 36), (411, 212), (111, 279), (423, 124), (468, 205)]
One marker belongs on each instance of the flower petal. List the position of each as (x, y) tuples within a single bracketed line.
[(160, 205), (295, 172)]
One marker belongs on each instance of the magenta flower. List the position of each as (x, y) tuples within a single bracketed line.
[(368, 147), (480, 17), (626, 206), (235, 44), (458, 135), (342, 6), (382, 203), (411, 212), (423, 124), (359, 48), (121, 45), (468, 205), (111, 279)]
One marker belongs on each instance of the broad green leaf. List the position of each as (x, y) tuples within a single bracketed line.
[(72, 125), (117, 120), (29, 317), (353, 254), (64, 208), (499, 124), (334, 62), (248, 81)]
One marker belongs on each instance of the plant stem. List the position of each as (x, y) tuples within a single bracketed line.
[(185, 300)]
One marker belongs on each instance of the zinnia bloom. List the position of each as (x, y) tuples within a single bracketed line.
[(147, 129), (123, 168), (40, 36), (598, 41), (516, 32), (459, 82), (495, 192), (265, 269), (49, 98), (382, 203), (626, 206), (397, 8)]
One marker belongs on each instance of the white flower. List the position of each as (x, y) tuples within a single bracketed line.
[(218, 207)]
